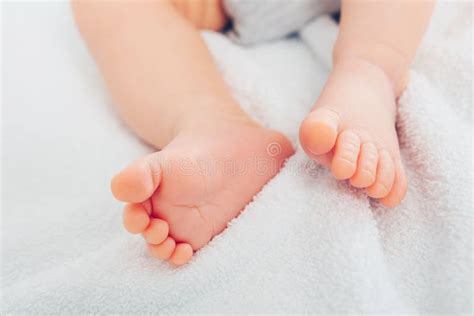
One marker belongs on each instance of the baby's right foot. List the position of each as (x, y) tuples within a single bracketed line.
[(352, 129), (182, 196)]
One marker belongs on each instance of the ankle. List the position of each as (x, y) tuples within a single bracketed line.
[(212, 117), (393, 63), (367, 77), (369, 68)]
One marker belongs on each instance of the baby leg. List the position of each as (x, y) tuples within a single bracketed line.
[(167, 88)]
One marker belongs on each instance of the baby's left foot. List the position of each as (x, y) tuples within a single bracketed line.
[(352, 129)]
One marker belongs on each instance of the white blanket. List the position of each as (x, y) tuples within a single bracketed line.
[(307, 243)]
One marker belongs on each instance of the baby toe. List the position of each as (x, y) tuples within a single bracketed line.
[(399, 188), (164, 250), (156, 232), (318, 132), (385, 176), (137, 182), (366, 166), (181, 254), (346, 153), (135, 218)]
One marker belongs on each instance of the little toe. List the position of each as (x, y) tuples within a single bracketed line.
[(399, 188), (156, 232), (181, 254), (318, 132), (385, 176), (135, 218), (366, 166), (138, 181), (164, 250), (344, 163)]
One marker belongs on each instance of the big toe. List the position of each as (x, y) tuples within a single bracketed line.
[(318, 132), (138, 181)]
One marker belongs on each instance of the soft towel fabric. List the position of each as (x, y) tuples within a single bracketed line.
[(264, 20), (307, 243)]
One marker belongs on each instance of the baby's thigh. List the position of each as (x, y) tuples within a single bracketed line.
[(203, 14)]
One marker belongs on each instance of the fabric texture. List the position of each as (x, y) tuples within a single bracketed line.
[(307, 243), (263, 20)]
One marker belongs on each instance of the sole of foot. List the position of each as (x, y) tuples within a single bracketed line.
[(182, 196)]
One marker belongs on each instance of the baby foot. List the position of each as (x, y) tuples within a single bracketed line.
[(352, 130), (182, 196)]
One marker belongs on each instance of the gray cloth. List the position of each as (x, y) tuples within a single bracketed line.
[(263, 20)]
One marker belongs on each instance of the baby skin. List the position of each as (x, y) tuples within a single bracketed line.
[(213, 157), (182, 196), (352, 126), (352, 130)]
